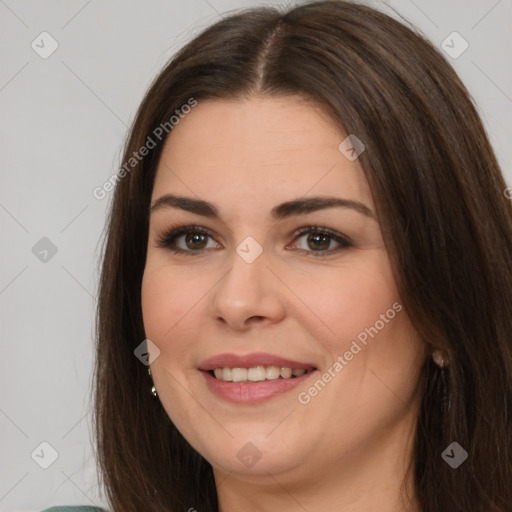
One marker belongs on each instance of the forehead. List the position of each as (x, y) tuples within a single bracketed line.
[(270, 147)]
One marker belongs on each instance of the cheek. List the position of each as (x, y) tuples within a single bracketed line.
[(370, 329), (343, 302), (165, 301)]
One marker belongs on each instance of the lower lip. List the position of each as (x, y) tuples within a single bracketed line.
[(252, 392)]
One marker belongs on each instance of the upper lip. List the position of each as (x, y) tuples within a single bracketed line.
[(250, 361)]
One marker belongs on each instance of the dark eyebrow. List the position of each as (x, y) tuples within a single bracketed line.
[(300, 206)]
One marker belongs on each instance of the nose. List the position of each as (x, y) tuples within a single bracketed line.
[(249, 294)]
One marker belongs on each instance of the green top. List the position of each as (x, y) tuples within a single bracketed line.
[(73, 508)]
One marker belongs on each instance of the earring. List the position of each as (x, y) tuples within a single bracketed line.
[(440, 359), (153, 389)]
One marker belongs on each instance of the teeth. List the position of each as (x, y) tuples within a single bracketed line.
[(272, 372), (239, 374), (257, 373), (286, 373)]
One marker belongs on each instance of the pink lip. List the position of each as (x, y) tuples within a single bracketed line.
[(251, 392), (250, 361)]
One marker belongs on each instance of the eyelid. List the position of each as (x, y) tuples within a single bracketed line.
[(325, 231)]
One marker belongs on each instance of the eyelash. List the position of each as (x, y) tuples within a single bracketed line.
[(167, 240)]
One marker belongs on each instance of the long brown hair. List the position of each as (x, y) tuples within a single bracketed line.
[(447, 226)]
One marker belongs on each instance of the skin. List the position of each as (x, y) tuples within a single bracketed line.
[(348, 448)]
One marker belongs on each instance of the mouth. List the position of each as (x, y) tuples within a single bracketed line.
[(254, 378)]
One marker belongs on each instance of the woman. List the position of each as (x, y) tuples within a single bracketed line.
[(305, 295)]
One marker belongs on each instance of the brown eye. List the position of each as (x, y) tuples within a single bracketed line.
[(195, 241), (185, 240), (318, 241)]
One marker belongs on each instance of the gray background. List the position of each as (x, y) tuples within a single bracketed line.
[(64, 119)]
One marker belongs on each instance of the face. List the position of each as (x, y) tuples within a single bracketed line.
[(283, 270)]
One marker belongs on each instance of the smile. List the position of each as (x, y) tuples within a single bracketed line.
[(253, 378)]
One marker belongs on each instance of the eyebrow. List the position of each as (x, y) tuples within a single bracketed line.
[(301, 206)]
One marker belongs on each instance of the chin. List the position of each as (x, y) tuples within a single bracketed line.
[(255, 454)]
